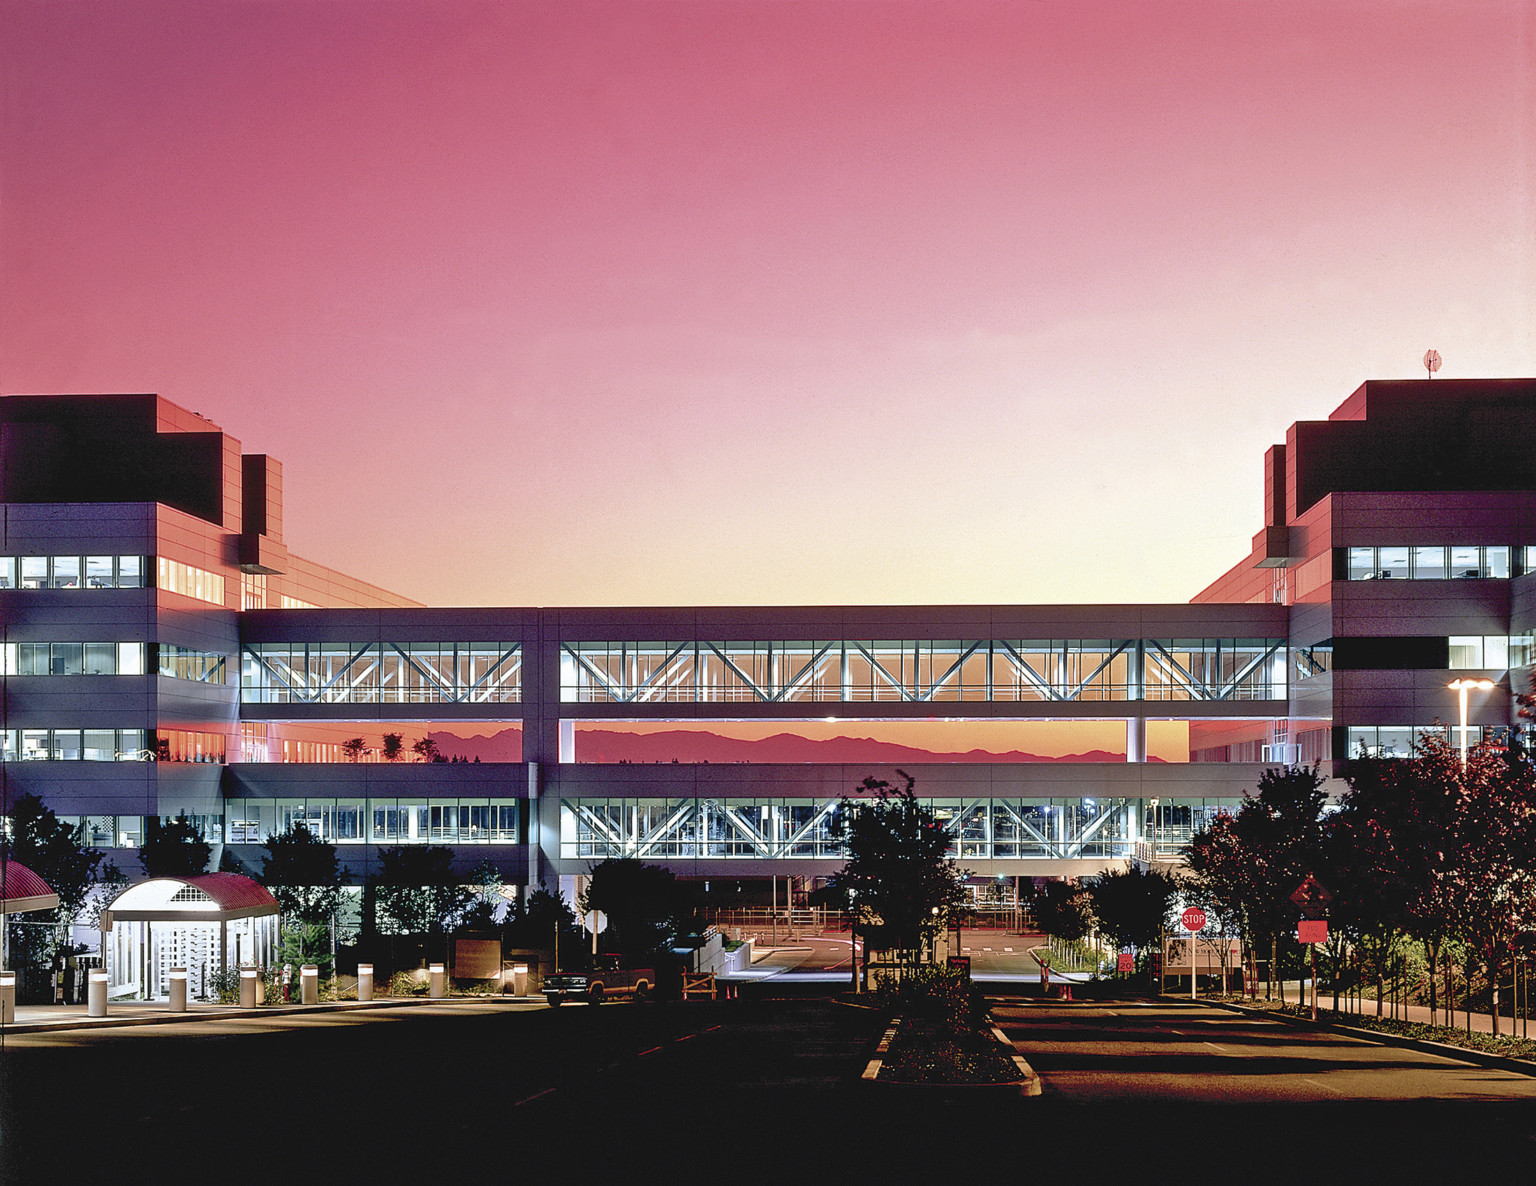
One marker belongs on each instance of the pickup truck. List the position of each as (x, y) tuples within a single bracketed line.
[(608, 979)]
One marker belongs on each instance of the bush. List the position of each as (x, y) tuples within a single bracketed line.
[(225, 986), (932, 993)]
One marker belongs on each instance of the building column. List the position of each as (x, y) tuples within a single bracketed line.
[(1136, 739)]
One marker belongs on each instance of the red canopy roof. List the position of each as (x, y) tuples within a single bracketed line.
[(231, 891), (24, 890), (216, 895)]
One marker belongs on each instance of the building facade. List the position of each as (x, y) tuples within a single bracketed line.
[(163, 652)]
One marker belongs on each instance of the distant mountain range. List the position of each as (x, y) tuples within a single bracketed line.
[(617, 745), (687, 745), (505, 745)]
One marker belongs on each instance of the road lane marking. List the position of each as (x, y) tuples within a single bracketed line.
[(1324, 1086), (1216, 1048), (685, 1037), (652, 1050), (529, 1099)]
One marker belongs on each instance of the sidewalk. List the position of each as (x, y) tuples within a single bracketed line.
[(32, 1019), (1519, 1027)]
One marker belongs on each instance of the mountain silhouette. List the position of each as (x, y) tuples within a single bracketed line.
[(686, 745)]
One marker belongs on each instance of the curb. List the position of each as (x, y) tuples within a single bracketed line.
[(232, 1014), (1478, 1058), (1027, 1084)]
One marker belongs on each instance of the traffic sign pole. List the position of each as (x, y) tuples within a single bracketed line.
[(1194, 921)]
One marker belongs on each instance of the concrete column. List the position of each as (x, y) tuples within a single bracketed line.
[(535, 870), (178, 978), (365, 982), (437, 987), (7, 997), (1136, 739), (519, 980), (250, 987), (96, 993), (309, 984)]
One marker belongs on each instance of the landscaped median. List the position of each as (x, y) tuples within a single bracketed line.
[(941, 1037), (1507, 1053)]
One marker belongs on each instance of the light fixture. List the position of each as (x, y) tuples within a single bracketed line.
[(1462, 687)]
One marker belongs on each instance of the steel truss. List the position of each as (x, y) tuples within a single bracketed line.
[(783, 829), (381, 673), (923, 670)]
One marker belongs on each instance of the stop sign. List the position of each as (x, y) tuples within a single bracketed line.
[(1193, 918)]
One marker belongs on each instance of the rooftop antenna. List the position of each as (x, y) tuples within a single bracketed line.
[(1431, 362)]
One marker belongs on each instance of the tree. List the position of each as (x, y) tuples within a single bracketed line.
[(394, 746), (531, 923), (52, 850), (898, 870), (354, 747), (1264, 852), (426, 750), (1492, 876), (646, 906), (1064, 909), (485, 886), (1132, 905), (303, 874), (1387, 851), (173, 848), (417, 890)]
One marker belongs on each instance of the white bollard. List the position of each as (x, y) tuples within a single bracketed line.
[(437, 987), (309, 985), (178, 978), (250, 985), (96, 994), (7, 997), (365, 982)]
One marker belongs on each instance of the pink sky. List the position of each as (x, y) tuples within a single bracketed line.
[(765, 302)]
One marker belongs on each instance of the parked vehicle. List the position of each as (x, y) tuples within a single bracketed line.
[(608, 979)]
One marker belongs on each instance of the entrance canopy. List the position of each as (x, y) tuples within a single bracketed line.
[(207, 925), (23, 891), (207, 897)]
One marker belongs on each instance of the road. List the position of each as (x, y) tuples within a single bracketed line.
[(1202, 1054), (1164, 1083), (748, 1090)]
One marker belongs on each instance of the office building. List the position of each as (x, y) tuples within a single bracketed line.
[(164, 652)]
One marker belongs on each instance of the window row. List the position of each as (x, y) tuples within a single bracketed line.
[(1432, 562), (1397, 741), (381, 673), (923, 670), (76, 745), (376, 821), (1487, 651), (183, 663), (189, 745), (197, 583), (983, 828), (72, 658), (72, 572)]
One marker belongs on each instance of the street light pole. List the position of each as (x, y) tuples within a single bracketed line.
[(1461, 687), (853, 940)]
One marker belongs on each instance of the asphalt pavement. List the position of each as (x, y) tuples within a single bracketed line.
[(759, 1088)]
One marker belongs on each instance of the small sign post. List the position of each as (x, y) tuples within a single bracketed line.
[(1313, 899), (1194, 922)]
